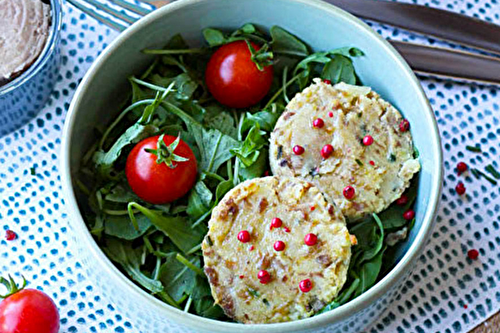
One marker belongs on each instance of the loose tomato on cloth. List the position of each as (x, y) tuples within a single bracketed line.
[(234, 79), (27, 310), (161, 169)]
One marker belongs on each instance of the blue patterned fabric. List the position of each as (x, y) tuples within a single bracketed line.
[(447, 292)]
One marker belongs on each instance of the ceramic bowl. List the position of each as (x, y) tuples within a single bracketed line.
[(323, 27), (23, 97)]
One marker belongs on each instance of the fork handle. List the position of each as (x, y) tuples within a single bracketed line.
[(430, 21), (450, 63)]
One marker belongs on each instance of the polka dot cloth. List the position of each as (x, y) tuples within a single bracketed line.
[(448, 292)]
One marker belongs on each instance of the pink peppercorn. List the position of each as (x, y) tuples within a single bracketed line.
[(460, 188), (326, 151), (310, 239), (276, 222), (349, 192), (461, 167), (279, 246), (409, 215), (403, 200), (305, 285), (473, 254), (368, 140), (244, 236), (264, 276), (318, 123), (327, 81), (298, 150), (404, 125), (10, 235)]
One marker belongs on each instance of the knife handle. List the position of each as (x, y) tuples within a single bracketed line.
[(430, 21), (450, 63)]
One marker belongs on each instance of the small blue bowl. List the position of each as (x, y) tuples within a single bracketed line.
[(23, 97)]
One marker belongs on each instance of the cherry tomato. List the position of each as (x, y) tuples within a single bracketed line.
[(234, 79), (159, 183), (28, 311)]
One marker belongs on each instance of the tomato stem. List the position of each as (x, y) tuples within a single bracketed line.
[(166, 154), (11, 286)]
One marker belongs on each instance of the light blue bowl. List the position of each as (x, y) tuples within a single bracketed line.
[(23, 97), (322, 26)]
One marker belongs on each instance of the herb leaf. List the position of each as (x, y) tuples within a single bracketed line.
[(129, 259), (214, 37), (121, 227), (175, 227), (339, 69), (284, 42), (199, 200)]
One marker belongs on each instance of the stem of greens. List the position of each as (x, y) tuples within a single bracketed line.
[(82, 187), (276, 95), (194, 249), (120, 117), (201, 219), (285, 73), (150, 85), (150, 69), (215, 152), (188, 304), (188, 264), (117, 212), (173, 52), (167, 298), (130, 208)]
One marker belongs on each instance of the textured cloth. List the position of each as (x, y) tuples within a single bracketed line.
[(447, 293)]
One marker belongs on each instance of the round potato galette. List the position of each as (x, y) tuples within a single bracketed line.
[(275, 251), (350, 143)]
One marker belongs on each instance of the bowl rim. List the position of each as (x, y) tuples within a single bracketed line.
[(44, 57), (200, 323)]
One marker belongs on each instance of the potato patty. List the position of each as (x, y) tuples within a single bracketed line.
[(234, 259), (364, 148)]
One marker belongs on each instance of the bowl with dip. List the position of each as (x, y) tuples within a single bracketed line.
[(29, 58)]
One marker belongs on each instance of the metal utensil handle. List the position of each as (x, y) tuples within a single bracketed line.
[(430, 21)]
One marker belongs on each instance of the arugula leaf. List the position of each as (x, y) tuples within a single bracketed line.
[(175, 227), (199, 200), (129, 259), (176, 43), (104, 160), (222, 189), (305, 66), (203, 301), (223, 122), (176, 278), (258, 168), (339, 69), (369, 272), (215, 147), (265, 119), (249, 151), (214, 37), (121, 194), (247, 28), (284, 42), (370, 235), (121, 227)]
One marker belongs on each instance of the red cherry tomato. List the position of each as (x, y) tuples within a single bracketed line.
[(157, 183), (28, 311), (234, 79)]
